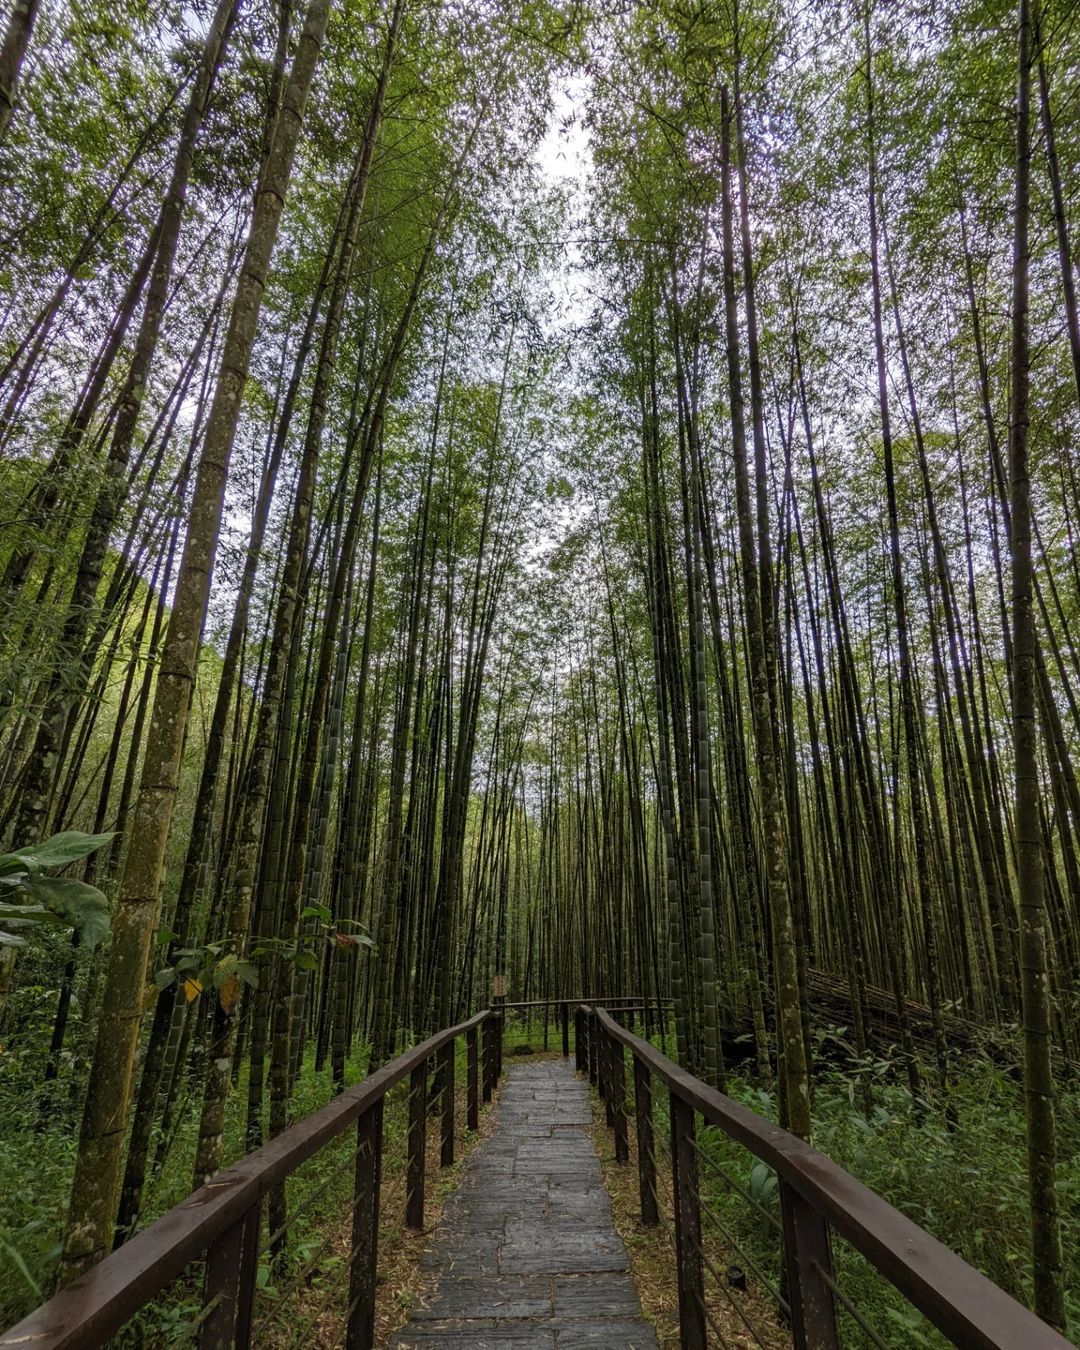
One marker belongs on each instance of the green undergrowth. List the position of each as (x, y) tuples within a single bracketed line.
[(37, 1158), (961, 1175), (963, 1178)]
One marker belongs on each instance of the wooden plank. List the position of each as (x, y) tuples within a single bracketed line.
[(806, 1256), (472, 1091), (221, 1288)]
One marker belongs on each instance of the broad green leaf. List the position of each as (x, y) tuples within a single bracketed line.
[(82, 906), (24, 914), (67, 847)]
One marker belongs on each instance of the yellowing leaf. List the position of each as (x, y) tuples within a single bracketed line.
[(192, 989), (228, 993)]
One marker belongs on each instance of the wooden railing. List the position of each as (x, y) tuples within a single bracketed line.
[(557, 1012), (214, 1242), (217, 1234), (817, 1198)]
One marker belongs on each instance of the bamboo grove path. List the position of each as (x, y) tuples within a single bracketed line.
[(526, 1252)]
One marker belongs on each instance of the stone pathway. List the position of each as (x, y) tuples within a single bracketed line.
[(526, 1253)]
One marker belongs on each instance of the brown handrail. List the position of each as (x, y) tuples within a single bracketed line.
[(221, 1218), (621, 1003), (816, 1195), (620, 1000)]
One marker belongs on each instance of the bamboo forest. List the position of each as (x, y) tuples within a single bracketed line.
[(564, 514)]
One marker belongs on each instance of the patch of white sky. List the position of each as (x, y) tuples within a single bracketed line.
[(563, 157)]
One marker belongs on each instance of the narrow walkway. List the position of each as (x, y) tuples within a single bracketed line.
[(526, 1252)]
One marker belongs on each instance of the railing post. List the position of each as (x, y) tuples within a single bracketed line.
[(472, 1091), (231, 1267), (414, 1185), (564, 1013), (446, 1156), (806, 1254), (594, 1049), (618, 1100), (489, 1058), (607, 1046), (363, 1259), (646, 1144), (645, 1141), (249, 1274), (500, 1034), (684, 1188)]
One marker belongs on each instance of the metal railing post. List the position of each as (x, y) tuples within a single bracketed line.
[(231, 1267), (363, 1259), (446, 1156), (646, 1143), (414, 1185), (806, 1254), (472, 1090), (684, 1188)]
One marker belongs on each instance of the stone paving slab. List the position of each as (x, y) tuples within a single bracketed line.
[(526, 1253)]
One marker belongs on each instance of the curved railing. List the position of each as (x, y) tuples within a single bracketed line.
[(817, 1200)]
